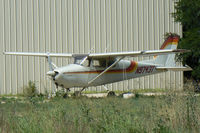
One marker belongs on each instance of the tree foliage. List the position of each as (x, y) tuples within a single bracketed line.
[(188, 14)]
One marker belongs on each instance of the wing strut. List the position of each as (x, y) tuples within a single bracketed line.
[(91, 81)]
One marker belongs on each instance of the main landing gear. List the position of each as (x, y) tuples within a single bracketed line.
[(78, 93), (65, 90), (66, 93), (110, 93)]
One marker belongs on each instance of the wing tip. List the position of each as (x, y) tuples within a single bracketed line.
[(181, 50), (5, 53)]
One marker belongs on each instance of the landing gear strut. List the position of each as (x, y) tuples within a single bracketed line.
[(78, 93), (66, 92), (110, 93), (56, 85)]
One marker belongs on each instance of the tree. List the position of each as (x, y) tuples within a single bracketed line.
[(188, 14)]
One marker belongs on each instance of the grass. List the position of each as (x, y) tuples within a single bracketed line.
[(158, 90), (160, 114)]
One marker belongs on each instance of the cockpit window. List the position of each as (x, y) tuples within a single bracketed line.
[(77, 61), (85, 63)]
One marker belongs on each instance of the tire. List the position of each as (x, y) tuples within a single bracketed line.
[(65, 95), (111, 94)]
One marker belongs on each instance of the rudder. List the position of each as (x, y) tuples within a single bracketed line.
[(168, 60)]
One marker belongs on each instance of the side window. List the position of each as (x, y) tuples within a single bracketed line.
[(96, 63), (103, 63), (99, 63), (110, 62)]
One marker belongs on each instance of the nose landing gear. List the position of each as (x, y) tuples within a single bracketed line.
[(66, 90), (56, 85), (66, 95)]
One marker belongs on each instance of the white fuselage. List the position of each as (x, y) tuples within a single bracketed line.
[(75, 75)]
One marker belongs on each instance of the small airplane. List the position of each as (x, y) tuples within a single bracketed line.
[(96, 69)]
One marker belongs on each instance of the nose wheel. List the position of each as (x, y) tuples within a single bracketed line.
[(63, 92), (66, 90), (65, 95)]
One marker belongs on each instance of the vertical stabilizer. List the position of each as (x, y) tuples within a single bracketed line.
[(168, 60)]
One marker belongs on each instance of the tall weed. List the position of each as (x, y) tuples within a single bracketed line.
[(173, 112)]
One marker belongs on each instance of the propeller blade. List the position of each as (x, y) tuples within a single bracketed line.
[(51, 73)]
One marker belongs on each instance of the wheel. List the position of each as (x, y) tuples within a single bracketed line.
[(65, 95), (111, 93)]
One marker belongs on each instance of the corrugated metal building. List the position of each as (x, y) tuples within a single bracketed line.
[(81, 26)]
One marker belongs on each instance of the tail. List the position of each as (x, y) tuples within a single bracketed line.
[(168, 60)]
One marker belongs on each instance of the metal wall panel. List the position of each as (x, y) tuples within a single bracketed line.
[(81, 26)]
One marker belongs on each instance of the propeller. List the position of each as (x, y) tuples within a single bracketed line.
[(53, 74)]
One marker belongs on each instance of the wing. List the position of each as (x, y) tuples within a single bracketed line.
[(136, 53), (101, 55), (39, 54)]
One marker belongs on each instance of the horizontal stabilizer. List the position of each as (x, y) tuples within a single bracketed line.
[(187, 68)]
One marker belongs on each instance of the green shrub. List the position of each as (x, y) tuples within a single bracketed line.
[(30, 90)]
